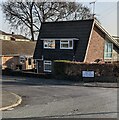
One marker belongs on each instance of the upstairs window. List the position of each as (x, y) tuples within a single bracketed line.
[(66, 44), (108, 50), (49, 44)]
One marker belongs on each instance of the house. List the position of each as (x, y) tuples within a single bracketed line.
[(13, 37), (116, 54), (5, 36), (19, 38), (82, 40), (17, 55)]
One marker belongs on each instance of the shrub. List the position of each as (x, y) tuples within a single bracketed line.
[(73, 70)]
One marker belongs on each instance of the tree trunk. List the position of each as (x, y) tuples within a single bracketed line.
[(31, 29), (32, 34)]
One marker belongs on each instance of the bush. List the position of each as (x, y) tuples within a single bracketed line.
[(8, 70), (73, 70)]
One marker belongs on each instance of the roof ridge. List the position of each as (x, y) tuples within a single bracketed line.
[(68, 21)]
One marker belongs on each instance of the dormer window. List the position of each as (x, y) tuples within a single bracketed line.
[(49, 44), (66, 44)]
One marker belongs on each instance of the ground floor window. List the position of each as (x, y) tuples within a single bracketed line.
[(29, 61), (47, 66), (22, 59)]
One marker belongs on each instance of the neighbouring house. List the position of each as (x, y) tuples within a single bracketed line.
[(13, 37), (82, 40), (4, 35), (17, 55), (116, 54)]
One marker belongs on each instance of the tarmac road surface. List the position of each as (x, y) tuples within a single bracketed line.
[(60, 101)]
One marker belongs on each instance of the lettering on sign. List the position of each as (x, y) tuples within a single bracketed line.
[(88, 73)]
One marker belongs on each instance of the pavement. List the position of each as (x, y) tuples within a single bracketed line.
[(103, 85), (40, 81), (10, 100)]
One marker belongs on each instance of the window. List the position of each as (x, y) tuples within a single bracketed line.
[(29, 61), (22, 59), (47, 66), (49, 44), (4, 37), (66, 44), (35, 61), (108, 50)]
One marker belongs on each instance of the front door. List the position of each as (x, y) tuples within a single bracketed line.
[(39, 65)]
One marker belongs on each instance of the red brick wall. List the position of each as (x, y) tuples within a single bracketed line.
[(96, 46), (11, 62)]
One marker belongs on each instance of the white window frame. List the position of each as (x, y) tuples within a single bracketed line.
[(47, 43), (108, 52), (47, 62), (68, 41)]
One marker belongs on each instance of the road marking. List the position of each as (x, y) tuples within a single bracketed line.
[(13, 105)]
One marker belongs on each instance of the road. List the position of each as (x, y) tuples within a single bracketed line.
[(58, 99)]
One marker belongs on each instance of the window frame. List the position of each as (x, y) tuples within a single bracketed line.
[(68, 41), (46, 63), (106, 53), (22, 60), (48, 47)]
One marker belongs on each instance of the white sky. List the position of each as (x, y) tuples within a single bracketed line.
[(106, 13)]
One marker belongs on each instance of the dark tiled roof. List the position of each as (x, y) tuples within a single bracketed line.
[(17, 47), (66, 29), (79, 29)]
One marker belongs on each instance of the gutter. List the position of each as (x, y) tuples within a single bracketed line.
[(10, 55)]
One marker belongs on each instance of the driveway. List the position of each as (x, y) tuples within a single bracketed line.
[(59, 100)]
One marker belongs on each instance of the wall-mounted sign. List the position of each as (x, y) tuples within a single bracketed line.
[(88, 73)]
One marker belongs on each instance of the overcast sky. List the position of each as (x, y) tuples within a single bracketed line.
[(106, 12)]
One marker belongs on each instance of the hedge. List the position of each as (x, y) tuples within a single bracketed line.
[(73, 70)]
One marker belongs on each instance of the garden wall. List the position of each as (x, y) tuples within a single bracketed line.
[(31, 74), (73, 71)]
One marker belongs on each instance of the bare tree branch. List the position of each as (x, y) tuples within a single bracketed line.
[(29, 15)]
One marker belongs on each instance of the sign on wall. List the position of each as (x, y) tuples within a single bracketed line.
[(88, 73)]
